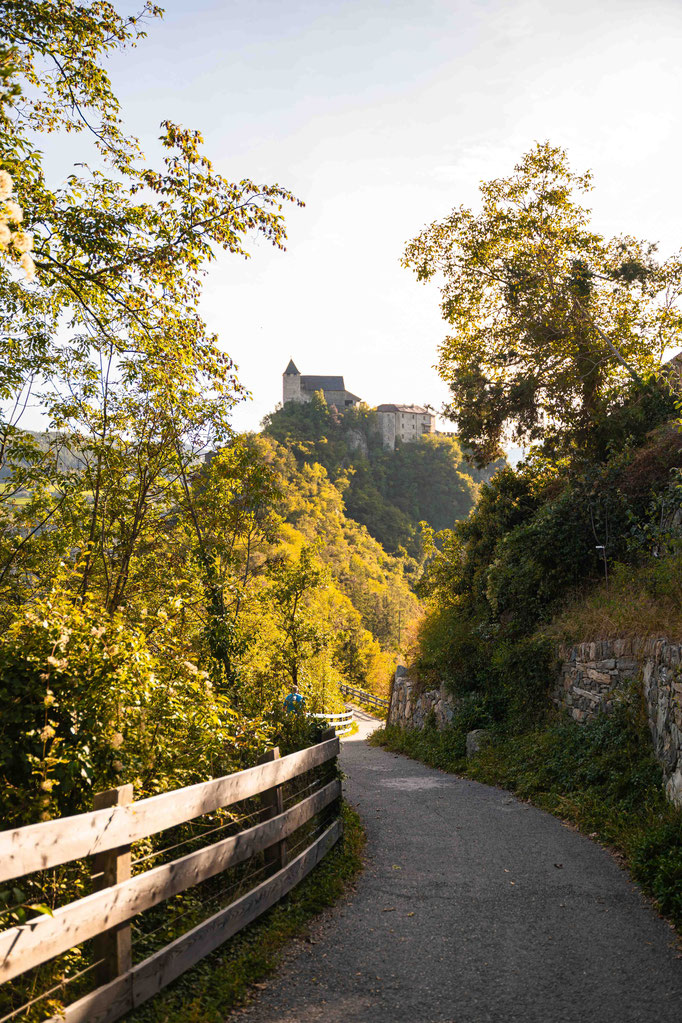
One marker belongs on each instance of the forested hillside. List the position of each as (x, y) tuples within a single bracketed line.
[(390, 492), (540, 543), (155, 609), (556, 337)]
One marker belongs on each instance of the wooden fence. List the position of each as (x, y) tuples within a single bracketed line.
[(107, 833), (343, 722), (364, 697)]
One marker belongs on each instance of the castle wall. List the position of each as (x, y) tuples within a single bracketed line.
[(387, 428), (407, 427), (291, 388), (411, 426), (337, 398)]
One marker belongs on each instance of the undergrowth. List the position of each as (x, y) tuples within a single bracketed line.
[(640, 600), (221, 981), (601, 776)]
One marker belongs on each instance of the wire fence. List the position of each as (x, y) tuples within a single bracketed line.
[(261, 838)]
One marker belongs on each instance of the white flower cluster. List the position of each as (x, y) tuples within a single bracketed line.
[(13, 240)]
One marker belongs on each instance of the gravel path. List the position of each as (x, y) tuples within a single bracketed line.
[(474, 907)]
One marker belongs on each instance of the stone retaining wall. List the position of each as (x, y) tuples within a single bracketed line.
[(593, 675), (410, 709), (592, 678)]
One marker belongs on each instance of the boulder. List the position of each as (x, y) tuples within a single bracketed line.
[(477, 740)]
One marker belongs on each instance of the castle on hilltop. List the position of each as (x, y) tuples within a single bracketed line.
[(406, 423), (301, 388)]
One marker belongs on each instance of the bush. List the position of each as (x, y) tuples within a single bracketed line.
[(657, 864), (523, 672), (88, 706)]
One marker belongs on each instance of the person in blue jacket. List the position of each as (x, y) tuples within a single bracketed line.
[(294, 702)]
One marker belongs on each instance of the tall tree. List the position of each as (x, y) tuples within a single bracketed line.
[(108, 338), (548, 318)]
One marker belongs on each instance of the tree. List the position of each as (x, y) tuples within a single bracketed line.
[(229, 506), (108, 339), (305, 632), (549, 319)]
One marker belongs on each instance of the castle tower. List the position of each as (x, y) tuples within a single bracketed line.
[(291, 384)]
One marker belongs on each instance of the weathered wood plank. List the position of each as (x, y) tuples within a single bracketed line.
[(30, 944), (109, 1003), (113, 946), (273, 804), (39, 846)]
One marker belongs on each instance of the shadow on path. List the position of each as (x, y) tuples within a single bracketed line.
[(474, 907)]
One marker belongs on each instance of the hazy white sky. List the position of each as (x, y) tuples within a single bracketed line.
[(382, 115)]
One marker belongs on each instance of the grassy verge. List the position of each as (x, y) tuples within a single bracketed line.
[(602, 777), (640, 600), (222, 980)]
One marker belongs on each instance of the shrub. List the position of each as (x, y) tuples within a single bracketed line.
[(87, 705)]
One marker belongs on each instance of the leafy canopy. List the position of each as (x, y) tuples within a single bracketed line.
[(548, 318), (108, 340)]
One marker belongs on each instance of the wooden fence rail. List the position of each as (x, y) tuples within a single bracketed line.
[(362, 696), (342, 722), (39, 846), (107, 834)]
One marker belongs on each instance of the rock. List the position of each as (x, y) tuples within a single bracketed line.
[(627, 665), (602, 677), (400, 671), (673, 788), (357, 442), (477, 740)]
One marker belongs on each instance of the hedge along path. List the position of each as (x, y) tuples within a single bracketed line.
[(107, 912)]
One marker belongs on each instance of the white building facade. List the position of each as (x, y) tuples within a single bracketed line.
[(406, 423)]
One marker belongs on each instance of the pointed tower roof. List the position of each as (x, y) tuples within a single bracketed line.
[(291, 369)]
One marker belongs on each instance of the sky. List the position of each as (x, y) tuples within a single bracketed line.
[(381, 116)]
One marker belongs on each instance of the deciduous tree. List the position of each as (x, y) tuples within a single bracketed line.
[(548, 318)]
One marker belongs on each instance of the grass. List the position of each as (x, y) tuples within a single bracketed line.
[(224, 979), (601, 777), (639, 601)]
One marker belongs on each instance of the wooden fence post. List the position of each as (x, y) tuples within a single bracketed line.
[(109, 868), (275, 855), (330, 733)]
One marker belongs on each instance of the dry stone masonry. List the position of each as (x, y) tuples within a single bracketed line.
[(593, 677), (412, 709)]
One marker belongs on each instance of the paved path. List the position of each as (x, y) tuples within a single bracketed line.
[(474, 907)]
